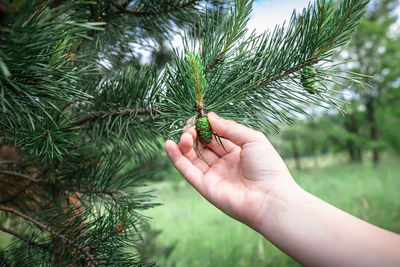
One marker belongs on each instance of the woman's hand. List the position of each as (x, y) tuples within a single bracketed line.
[(240, 181)]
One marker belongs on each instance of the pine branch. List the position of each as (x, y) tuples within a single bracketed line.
[(7, 162), (123, 10), (25, 239), (124, 112), (278, 76), (109, 192), (12, 197), (20, 175), (6, 261), (100, 191), (118, 229), (231, 38), (86, 250)]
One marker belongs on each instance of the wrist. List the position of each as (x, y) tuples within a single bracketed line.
[(276, 201)]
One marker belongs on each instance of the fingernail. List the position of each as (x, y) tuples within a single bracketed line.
[(213, 115)]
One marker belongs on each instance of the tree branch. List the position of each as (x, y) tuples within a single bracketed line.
[(216, 61), (20, 175), (118, 229), (99, 191), (89, 257), (124, 112), (265, 81), (152, 13), (10, 198), (6, 162), (229, 42), (25, 239), (105, 191)]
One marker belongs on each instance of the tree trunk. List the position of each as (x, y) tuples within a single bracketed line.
[(353, 148), (314, 154), (370, 106), (296, 153)]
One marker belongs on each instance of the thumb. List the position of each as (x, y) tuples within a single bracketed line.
[(235, 132)]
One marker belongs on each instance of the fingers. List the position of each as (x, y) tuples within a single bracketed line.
[(219, 149), (191, 173), (215, 146), (235, 132), (188, 150)]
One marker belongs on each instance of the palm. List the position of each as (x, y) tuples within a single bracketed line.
[(236, 180), (222, 180)]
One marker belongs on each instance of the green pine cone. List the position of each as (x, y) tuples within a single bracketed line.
[(308, 79), (204, 130)]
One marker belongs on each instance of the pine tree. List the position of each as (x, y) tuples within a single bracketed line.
[(79, 114)]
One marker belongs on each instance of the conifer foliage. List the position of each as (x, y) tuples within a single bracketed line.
[(79, 114)]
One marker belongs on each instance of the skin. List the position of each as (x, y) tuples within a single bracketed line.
[(252, 184)]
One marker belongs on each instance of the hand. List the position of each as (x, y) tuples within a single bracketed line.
[(240, 181)]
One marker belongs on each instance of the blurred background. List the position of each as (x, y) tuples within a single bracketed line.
[(350, 159)]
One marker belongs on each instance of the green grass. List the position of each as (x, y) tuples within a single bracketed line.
[(207, 237)]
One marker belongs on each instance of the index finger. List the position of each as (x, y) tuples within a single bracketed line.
[(191, 173), (235, 132)]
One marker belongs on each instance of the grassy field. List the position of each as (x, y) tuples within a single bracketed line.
[(207, 237), (204, 236)]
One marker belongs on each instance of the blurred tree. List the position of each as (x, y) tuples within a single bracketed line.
[(374, 51), (306, 138)]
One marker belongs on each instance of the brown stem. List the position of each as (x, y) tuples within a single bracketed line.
[(12, 197), (265, 81), (89, 257), (124, 112), (20, 175), (228, 42), (152, 13), (96, 191), (67, 105), (5, 162), (46, 135), (115, 231), (105, 191), (216, 61), (23, 238)]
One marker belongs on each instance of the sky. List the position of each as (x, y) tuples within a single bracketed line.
[(267, 13)]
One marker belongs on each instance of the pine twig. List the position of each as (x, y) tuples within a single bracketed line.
[(5, 260), (229, 42), (97, 191), (25, 239), (265, 81), (67, 105), (89, 257), (124, 112), (20, 175), (114, 232), (216, 61), (152, 13), (10, 198), (105, 191), (6, 162)]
